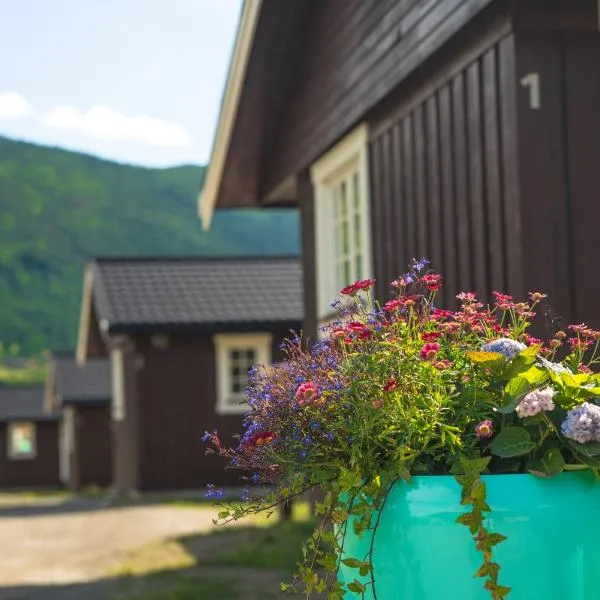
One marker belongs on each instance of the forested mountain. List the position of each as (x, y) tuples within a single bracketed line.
[(59, 208)]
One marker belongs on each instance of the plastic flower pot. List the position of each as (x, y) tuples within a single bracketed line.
[(421, 553)]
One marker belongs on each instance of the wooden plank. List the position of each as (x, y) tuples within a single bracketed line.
[(401, 249), (448, 196), (422, 217), (477, 212), (409, 229), (510, 171), (582, 87), (461, 155), (492, 156), (389, 230), (543, 187), (377, 191), (436, 232)]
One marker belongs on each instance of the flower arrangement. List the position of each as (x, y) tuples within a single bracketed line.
[(409, 388)]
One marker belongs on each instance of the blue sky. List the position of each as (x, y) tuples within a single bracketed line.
[(138, 81)]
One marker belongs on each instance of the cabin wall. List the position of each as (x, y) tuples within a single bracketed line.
[(41, 471), (443, 170), (91, 460), (354, 53), (177, 395)]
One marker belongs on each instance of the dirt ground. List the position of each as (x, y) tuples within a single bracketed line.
[(52, 545)]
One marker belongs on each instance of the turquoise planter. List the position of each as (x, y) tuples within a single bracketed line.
[(421, 553)]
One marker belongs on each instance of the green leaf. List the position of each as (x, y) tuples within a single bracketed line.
[(516, 387), (474, 465), (357, 587), (550, 464), (493, 539), (535, 376), (589, 449), (353, 563), (512, 441), (486, 359)]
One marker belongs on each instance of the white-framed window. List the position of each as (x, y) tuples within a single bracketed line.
[(117, 371), (236, 354), (22, 440), (341, 182)]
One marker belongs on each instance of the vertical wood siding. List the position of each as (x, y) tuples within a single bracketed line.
[(41, 471), (443, 171), (92, 456)]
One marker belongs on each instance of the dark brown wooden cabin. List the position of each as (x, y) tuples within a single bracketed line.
[(181, 335), (467, 131), (81, 393), (28, 440)]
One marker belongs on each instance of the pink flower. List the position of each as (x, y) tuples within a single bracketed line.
[(365, 284), (467, 297), (485, 429), (442, 364), (433, 282), (306, 393), (391, 384), (431, 336), (429, 351)]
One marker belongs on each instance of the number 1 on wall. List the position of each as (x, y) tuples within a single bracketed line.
[(532, 81)]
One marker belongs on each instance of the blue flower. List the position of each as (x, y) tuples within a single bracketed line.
[(302, 455), (213, 492), (331, 436), (255, 478), (419, 265), (208, 436), (315, 425), (505, 346), (245, 495), (582, 423)]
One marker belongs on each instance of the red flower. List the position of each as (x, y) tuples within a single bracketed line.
[(438, 314), (306, 393), (391, 384), (429, 351), (431, 336), (349, 290), (442, 364), (260, 438), (433, 281), (584, 369), (356, 326), (392, 305), (365, 284)]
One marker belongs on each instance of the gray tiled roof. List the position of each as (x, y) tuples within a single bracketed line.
[(81, 383), (23, 403), (197, 293)]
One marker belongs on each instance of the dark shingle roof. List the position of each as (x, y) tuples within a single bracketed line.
[(23, 403), (197, 293), (81, 383)]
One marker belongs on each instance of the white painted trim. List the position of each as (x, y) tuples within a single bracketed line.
[(67, 443), (86, 316), (350, 152), (117, 373), (10, 450), (229, 107), (261, 342)]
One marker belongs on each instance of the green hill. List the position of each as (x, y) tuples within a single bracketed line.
[(59, 208)]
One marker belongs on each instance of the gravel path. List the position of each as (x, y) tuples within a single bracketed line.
[(74, 542)]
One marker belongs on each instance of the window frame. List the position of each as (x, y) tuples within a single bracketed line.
[(229, 403), (348, 157), (12, 455)]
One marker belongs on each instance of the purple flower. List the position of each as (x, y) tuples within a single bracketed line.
[(245, 495), (213, 492), (208, 436), (485, 429), (505, 346), (583, 423), (535, 402)]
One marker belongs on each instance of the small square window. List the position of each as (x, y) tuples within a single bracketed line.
[(21, 440)]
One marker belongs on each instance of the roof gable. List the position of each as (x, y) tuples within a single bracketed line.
[(135, 295), (75, 383)]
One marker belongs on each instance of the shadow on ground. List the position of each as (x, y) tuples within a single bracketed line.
[(234, 563)]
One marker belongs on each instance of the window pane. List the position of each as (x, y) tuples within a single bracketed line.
[(343, 199), (234, 354), (359, 266), (355, 191), (357, 237), (236, 386), (235, 371), (22, 439), (251, 356), (345, 238), (347, 273)]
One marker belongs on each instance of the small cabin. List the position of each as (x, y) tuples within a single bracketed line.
[(181, 335)]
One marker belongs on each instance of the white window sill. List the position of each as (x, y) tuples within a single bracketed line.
[(232, 409)]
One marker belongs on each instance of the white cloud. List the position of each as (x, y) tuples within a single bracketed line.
[(14, 106), (106, 123)]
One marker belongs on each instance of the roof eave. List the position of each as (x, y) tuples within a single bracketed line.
[(208, 197), (229, 326)]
